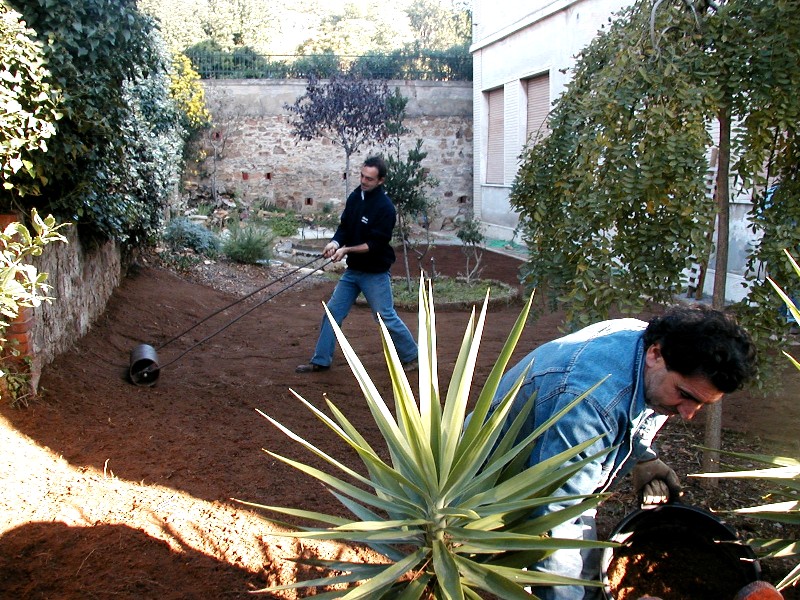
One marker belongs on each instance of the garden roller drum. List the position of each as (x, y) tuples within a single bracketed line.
[(144, 367)]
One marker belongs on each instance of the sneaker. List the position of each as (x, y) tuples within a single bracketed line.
[(310, 368), (411, 365)]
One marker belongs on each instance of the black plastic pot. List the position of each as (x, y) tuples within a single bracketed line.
[(677, 547)]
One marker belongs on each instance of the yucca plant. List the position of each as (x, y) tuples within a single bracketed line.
[(451, 511), (783, 473)]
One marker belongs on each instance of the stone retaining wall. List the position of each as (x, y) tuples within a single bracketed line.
[(260, 163), (82, 281)]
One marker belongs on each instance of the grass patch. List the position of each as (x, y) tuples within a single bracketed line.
[(451, 291)]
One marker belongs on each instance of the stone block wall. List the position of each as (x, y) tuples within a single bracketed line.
[(82, 281), (260, 163)]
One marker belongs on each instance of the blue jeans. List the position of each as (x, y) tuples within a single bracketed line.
[(582, 564), (377, 289)]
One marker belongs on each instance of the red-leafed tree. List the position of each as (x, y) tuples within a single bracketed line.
[(346, 109)]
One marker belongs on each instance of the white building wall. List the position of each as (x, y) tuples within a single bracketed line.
[(513, 42)]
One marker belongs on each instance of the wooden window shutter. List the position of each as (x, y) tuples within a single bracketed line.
[(538, 92), (495, 146)]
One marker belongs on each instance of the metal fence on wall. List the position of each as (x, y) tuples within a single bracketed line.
[(246, 64)]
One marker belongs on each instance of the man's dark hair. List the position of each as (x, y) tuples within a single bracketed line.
[(698, 340), (378, 163)]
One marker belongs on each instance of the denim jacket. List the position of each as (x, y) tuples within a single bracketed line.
[(562, 370)]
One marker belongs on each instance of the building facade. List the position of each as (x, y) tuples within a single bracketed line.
[(522, 52)]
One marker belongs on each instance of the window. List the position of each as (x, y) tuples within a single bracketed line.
[(537, 90), (494, 143)]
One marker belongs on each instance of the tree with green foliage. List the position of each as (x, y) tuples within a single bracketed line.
[(180, 23), (440, 24), (115, 156), (354, 32), (346, 110), (228, 23), (250, 38), (613, 203), (407, 181), (30, 105)]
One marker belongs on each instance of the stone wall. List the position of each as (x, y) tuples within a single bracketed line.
[(82, 281), (260, 163)]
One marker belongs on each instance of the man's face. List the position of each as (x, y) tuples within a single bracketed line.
[(670, 393), (369, 179)]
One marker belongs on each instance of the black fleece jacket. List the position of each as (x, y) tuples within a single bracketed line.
[(368, 221)]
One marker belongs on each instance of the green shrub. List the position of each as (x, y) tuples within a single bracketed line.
[(114, 160), (248, 244), (22, 286), (284, 225), (470, 233), (29, 101), (182, 234)]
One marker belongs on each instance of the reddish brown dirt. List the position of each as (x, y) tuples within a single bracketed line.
[(112, 490)]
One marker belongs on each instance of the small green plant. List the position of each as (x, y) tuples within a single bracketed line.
[(783, 473), (451, 291), (329, 216), (248, 244), (180, 261), (204, 209), (451, 509), (22, 286), (471, 235), (183, 234), (283, 225), (15, 380)]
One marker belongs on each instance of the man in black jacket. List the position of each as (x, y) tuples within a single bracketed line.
[(363, 239)]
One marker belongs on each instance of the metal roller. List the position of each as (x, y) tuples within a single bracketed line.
[(144, 367)]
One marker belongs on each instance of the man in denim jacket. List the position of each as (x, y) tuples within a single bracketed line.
[(673, 366)]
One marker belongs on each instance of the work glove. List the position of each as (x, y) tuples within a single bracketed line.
[(656, 482)]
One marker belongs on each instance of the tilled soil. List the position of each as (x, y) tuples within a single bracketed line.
[(113, 490)]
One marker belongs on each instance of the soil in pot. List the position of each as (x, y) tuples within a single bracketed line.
[(676, 559)]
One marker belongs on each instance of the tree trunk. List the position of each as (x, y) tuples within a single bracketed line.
[(713, 431), (406, 249), (346, 176)]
